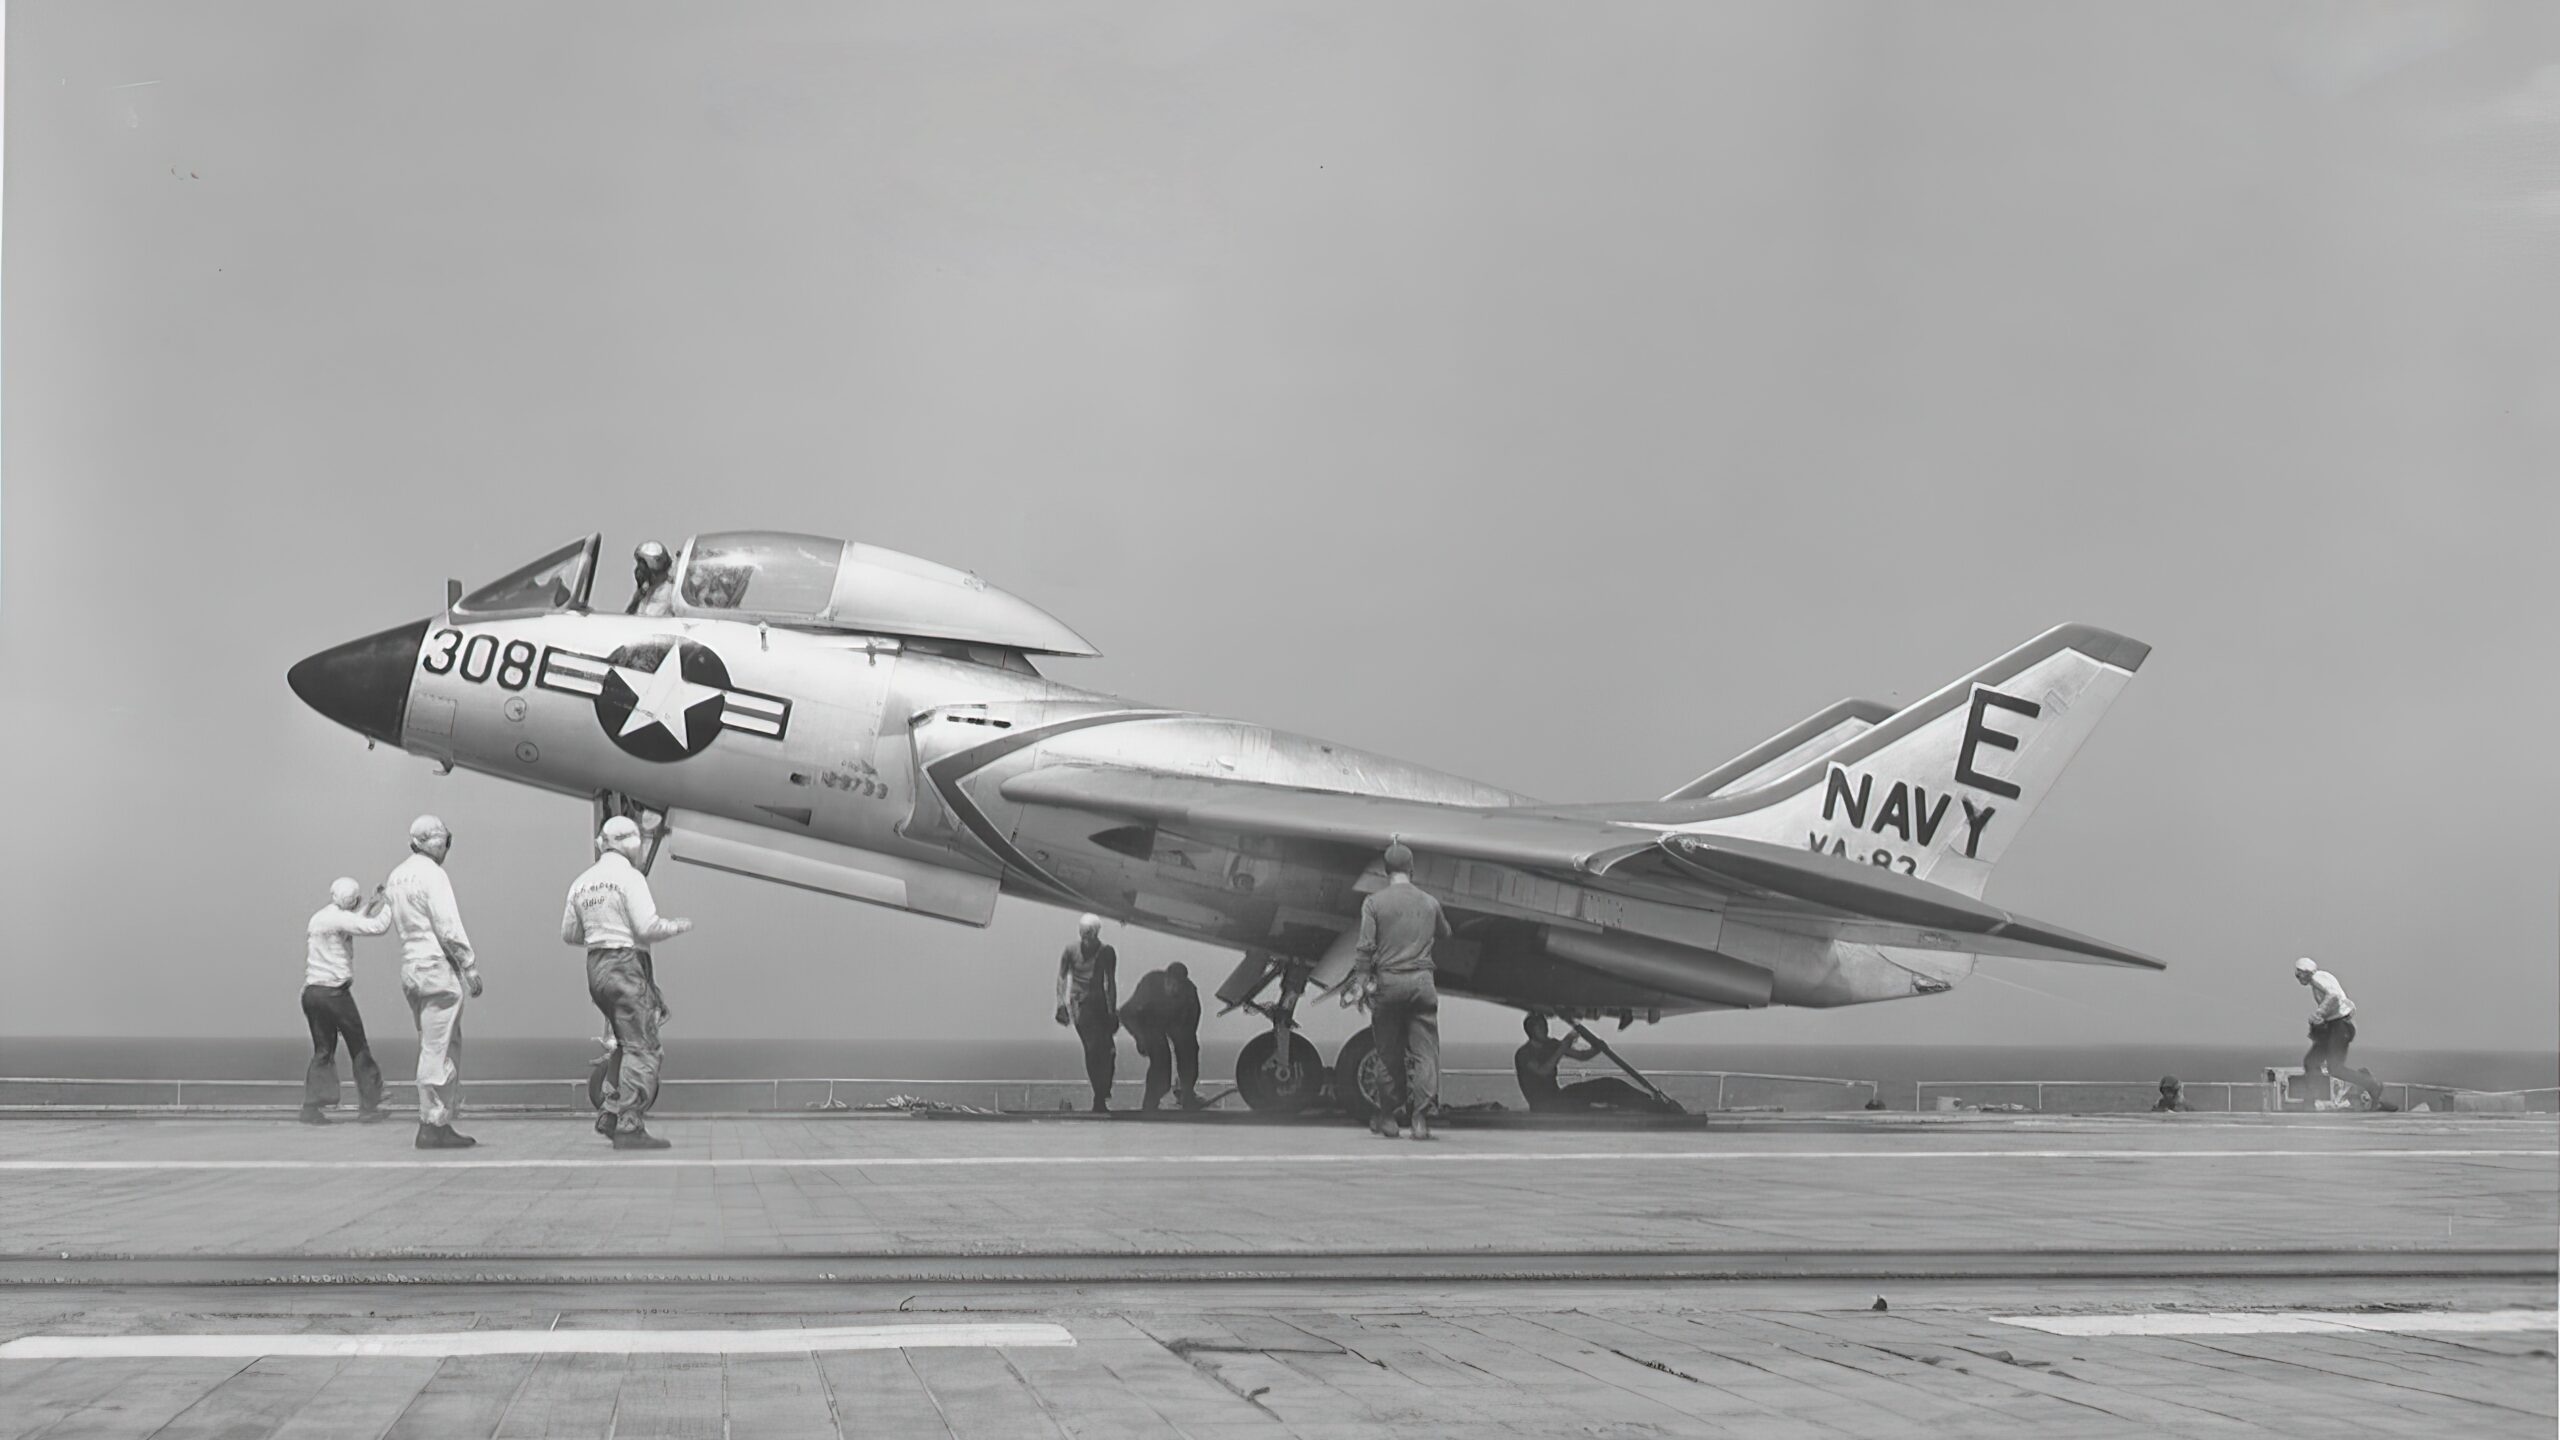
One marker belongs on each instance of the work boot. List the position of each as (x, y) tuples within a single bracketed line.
[(442, 1137), (374, 1116), (640, 1140), (1101, 1107), (311, 1116), (1382, 1125), (604, 1123), (1421, 1124)]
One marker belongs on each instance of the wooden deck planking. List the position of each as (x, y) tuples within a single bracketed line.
[(133, 1398), (980, 1395), (877, 1394), (466, 1396), (360, 1401), (1991, 1184), (775, 1397), (668, 1397), (565, 1396), (255, 1402)]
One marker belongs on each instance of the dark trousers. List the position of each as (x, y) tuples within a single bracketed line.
[(330, 1011), (1173, 1064), (1606, 1092), (1404, 1025), (2328, 1056), (620, 986), (1101, 1057)]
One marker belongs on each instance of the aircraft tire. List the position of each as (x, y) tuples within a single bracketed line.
[(602, 1078), (1262, 1089), (1358, 1078)]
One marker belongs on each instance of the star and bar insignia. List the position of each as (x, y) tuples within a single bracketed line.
[(664, 698)]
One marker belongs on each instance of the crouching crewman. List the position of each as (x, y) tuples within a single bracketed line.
[(611, 913)]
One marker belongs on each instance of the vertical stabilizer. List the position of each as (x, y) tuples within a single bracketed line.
[(1939, 790)]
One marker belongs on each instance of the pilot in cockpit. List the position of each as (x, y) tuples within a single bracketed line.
[(653, 585)]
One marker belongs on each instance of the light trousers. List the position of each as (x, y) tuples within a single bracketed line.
[(439, 1017)]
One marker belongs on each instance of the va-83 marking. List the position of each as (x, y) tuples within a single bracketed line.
[(1821, 844)]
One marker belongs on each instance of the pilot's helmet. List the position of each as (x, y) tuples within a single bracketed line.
[(652, 557)]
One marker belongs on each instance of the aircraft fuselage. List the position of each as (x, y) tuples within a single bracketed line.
[(893, 750)]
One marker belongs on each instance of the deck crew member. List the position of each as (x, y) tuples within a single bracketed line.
[(1163, 1019), (329, 1001), (1392, 976), (612, 914), (653, 584), (1089, 999), (437, 969), (2332, 1031), (2173, 1097), (1534, 1065)]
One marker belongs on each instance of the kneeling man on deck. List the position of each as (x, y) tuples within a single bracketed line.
[(1534, 1066), (612, 914)]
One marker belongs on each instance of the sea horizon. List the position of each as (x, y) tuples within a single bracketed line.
[(558, 1057)]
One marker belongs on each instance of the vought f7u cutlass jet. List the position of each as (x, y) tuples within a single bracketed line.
[(856, 721)]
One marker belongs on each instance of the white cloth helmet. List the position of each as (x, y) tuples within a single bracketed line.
[(2304, 966), (343, 892), (425, 828)]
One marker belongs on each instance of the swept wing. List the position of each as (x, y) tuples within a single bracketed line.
[(1793, 890)]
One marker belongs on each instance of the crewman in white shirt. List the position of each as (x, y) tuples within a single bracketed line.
[(2332, 1031), (612, 914), (436, 969), (329, 1002)]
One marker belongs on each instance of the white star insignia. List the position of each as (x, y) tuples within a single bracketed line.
[(661, 697)]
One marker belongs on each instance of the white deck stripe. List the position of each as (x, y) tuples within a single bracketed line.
[(1398, 1155), (2291, 1322), (535, 1342)]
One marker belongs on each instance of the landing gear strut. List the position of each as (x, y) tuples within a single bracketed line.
[(1279, 1069), (652, 823), (1599, 1046)]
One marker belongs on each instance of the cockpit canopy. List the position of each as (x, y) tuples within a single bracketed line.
[(801, 581), (557, 581), (811, 582)]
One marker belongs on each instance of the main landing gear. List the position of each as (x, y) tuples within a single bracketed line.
[(1278, 1070)]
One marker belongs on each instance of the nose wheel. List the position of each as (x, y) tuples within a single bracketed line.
[(1270, 1079)]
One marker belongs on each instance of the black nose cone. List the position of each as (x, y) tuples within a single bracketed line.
[(363, 684)]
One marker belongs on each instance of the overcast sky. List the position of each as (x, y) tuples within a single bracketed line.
[(1563, 395)]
